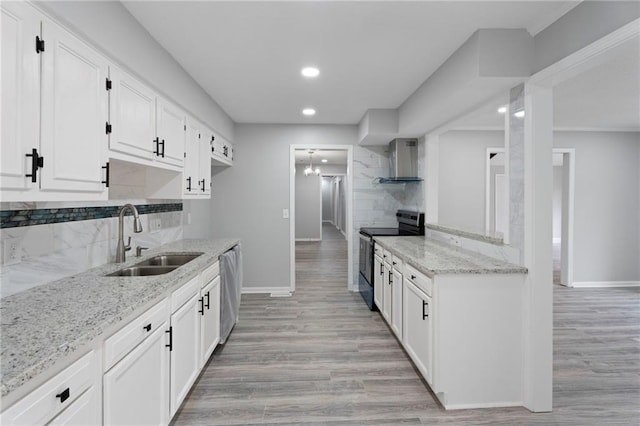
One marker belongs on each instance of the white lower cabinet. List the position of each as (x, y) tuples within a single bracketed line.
[(83, 412), (396, 302), (136, 389), (417, 330), (60, 393), (210, 325), (185, 351), (387, 279)]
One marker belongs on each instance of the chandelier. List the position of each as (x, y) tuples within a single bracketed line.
[(309, 170)]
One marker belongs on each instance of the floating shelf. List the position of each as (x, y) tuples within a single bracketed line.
[(397, 180)]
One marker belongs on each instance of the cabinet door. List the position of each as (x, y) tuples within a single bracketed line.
[(210, 324), (396, 303), (132, 111), (190, 171), (170, 129), (20, 100), (185, 355), (386, 296), (204, 166), (85, 411), (136, 389), (417, 328), (74, 114), (378, 282)]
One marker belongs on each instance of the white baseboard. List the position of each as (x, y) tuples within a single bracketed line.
[(265, 290), (596, 284), (308, 239), (482, 405)]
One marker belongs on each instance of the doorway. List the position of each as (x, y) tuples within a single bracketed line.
[(563, 211), (309, 175)]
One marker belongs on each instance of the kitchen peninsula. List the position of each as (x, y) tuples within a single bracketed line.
[(459, 316)]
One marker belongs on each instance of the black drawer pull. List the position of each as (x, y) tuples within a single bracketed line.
[(147, 327), (64, 395), (413, 277), (394, 263), (425, 315), (170, 345)]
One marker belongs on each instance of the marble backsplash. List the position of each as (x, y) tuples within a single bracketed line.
[(52, 251)]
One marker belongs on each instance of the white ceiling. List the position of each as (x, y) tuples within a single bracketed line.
[(248, 55), (605, 97)]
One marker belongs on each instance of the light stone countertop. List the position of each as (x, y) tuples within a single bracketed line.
[(45, 324), (434, 257)]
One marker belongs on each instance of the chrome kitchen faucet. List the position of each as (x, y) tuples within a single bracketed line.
[(137, 227)]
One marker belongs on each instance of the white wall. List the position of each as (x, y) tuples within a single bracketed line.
[(308, 207), (461, 185), (247, 199), (327, 199), (110, 26), (557, 202), (607, 202)]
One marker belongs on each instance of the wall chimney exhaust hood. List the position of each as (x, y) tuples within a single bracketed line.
[(403, 161)]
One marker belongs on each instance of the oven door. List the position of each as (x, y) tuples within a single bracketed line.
[(366, 258)]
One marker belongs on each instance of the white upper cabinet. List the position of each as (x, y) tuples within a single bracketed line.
[(132, 115), (74, 113), (221, 151), (170, 130), (197, 165), (20, 100)]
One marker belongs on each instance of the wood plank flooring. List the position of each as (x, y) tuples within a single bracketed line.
[(321, 357)]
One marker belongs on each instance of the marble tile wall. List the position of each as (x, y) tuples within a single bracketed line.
[(516, 170), (55, 250), (375, 204)]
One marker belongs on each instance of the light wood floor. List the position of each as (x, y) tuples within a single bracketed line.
[(321, 357)]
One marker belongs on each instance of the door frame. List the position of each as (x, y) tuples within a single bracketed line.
[(487, 186), (292, 208), (568, 200)]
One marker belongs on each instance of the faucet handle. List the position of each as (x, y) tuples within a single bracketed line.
[(139, 250), (128, 246)]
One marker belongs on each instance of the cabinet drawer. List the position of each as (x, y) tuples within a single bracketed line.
[(386, 256), (210, 273), (377, 249), (43, 404), (421, 281), (397, 263), (123, 341), (184, 293)]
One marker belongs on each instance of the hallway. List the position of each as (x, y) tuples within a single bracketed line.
[(321, 357)]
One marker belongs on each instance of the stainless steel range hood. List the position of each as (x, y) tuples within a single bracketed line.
[(403, 161)]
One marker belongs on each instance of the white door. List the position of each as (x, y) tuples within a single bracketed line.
[(210, 321), (82, 412), (190, 172), (500, 205), (378, 282), (185, 354), (171, 132), (132, 116), (417, 325), (386, 296), (20, 99), (74, 114), (396, 303), (136, 389)]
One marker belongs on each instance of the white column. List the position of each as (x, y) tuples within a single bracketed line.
[(431, 179)]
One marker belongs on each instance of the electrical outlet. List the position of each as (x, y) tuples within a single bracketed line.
[(158, 224), (11, 251)]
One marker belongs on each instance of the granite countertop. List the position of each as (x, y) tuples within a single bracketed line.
[(43, 325), (434, 257)]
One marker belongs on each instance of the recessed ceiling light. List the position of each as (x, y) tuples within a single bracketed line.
[(309, 111), (324, 160), (519, 114), (310, 72), (502, 109)]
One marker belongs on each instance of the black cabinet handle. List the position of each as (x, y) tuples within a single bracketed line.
[(162, 143), (413, 277), (201, 310), (106, 178), (394, 263), (147, 327), (208, 300), (157, 142), (390, 277), (425, 315), (36, 163), (64, 395), (201, 182), (189, 184), (381, 269), (170, 345)]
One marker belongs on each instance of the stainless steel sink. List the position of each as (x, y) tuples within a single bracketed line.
[(169, 260), (142, 271)]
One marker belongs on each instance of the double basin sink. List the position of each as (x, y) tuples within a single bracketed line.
[(157, 265)]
